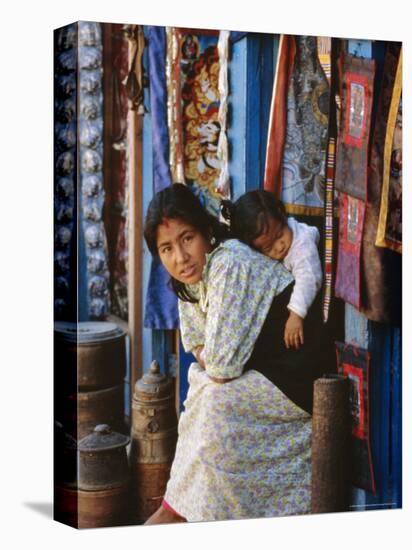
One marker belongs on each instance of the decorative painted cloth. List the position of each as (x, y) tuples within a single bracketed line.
[(348, 276), (200, 74), (304, 158), (174, 103), (381, 267), (243, 449), (352, 151), (390, 216), (354, 363)]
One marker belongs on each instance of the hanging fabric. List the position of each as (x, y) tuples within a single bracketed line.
[(174, 104), (223, 184), (348, 276), (205, 154), (354, 362), (304, 157), (390, 217), (278, 114), (381, 267), (161, 303), (118, 244), (134, 81), (352, 150), (329, 65)]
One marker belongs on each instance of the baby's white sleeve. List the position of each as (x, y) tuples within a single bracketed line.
[(307, 271)]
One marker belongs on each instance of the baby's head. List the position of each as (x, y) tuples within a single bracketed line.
[(259, 219)]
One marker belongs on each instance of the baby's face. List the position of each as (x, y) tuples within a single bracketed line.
[(275, 240)]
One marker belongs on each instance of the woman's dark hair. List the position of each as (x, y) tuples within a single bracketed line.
[(250, 214), (179, 202)]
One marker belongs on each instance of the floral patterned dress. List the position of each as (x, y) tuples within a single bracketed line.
[(244, 448)]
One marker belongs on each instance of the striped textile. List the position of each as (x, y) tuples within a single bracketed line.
[(328, 256)]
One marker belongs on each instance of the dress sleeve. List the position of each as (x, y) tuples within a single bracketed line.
[(237, 308), (192, 325), (307, 272)]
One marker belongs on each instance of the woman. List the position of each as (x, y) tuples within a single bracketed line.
[(243, 449)]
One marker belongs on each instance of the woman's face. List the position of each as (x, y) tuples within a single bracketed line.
[(182, 250)]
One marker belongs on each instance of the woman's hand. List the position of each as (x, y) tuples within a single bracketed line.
[(293, 336), (197, 352)]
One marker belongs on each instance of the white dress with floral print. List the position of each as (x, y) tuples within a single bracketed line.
[(244, 448)]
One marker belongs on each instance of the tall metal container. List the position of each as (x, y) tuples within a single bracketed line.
[(154, 436)]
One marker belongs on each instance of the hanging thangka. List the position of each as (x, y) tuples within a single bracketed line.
[(381, 266), (352, 149), (304, 158), (348, 276), (354, 362), (202, 58), (351, 173), (390, 218)]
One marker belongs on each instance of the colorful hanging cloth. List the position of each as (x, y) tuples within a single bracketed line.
[(354, 362), (304, 157), (390, 217), (381, 267), (329, 65), (352, 150), (348, 276), (278, 114), (223, 185), (174, 104), (205, 156), (161, 303)]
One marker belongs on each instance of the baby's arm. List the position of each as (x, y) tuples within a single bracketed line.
[(307, 271)]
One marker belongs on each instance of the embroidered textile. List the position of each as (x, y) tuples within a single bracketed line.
[(329, 259), (304, 159), (354, 363), (381, 267), (352, 150), (201, 127), (174, 104), (351, 221), (390, 217)]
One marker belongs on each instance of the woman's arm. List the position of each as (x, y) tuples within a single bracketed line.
[(240, 289)]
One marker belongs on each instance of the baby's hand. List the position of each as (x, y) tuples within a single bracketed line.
[(293, 331)]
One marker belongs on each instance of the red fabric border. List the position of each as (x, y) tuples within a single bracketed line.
[(353, 78), (356, 372)]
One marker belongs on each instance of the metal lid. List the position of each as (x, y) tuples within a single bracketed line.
[(103, 439), (154, 381), (88, 331)]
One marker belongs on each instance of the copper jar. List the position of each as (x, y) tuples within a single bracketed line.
[(154, 436), (89, 355)]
